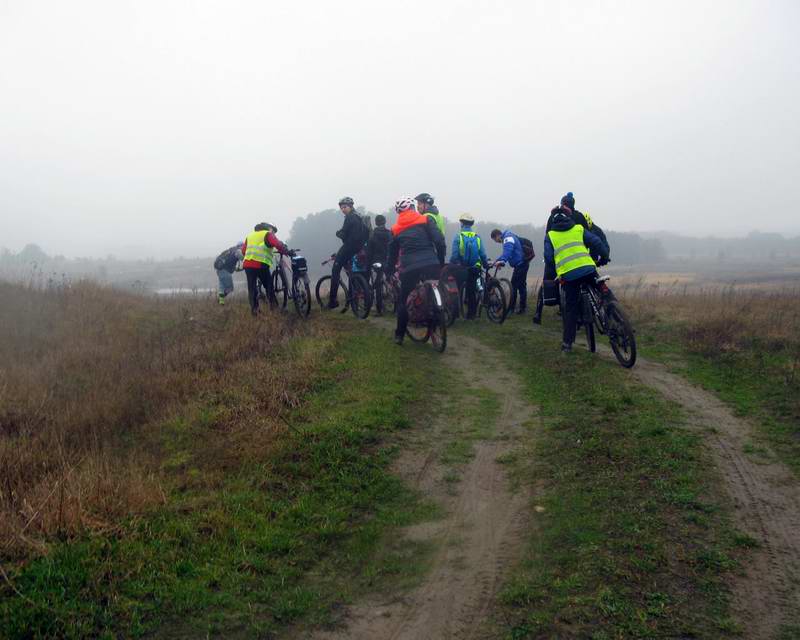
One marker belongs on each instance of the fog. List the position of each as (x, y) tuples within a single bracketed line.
[(170, 128)]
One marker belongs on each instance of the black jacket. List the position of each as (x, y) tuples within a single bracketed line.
[(353, 232), (378, 245), (416, 246)]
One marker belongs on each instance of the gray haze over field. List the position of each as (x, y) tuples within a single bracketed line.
[(158, 128)]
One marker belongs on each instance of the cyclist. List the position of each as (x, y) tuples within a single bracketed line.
[(518, 252), (583, 219), (378, 244), (426, 207), (468, 255), (568, 250), (226, 264), (353, 235), (257, 250), (419, 246)]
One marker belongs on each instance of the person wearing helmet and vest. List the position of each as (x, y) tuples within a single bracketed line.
[(583, 219), (257, 250), (354, 235), (469, 256), (418, 246), (568, 250), (426, 207)]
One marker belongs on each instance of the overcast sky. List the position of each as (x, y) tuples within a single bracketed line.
[(151, 127)]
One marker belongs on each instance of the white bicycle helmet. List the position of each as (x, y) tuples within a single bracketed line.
[(404, 204)]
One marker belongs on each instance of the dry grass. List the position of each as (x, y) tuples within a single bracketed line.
[(90, 379)]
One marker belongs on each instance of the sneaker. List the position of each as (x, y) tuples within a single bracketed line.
[(398, 340), (221, 299), (537, 319), (566, 348), (333, 305)]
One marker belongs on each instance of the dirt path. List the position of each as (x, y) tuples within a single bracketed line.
[(766, 498), (480, 535)]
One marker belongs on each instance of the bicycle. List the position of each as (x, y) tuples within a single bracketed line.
[(490, 296), (300, 291), (599, 309), (426, 315), (382, 290), (357, 293)]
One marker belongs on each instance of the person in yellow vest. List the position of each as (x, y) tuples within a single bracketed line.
[(568, 249), (426, 207), (257, 250)]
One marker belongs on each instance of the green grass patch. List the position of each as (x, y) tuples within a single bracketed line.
[(629, 537), (273, 544)]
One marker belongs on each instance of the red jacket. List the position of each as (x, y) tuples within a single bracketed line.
[(273, 242)]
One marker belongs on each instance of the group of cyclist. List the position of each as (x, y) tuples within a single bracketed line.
[(415, 246)]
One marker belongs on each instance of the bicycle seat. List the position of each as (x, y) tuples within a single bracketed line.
[(377, 265), (602, 279)]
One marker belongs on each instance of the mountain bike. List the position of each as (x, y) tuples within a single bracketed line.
[(356, 291), (300, 290), (426, 315), (598, 309), (382, 293), (490, 296)]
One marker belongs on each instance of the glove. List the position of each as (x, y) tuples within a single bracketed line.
[(603, 261), (292, 253)]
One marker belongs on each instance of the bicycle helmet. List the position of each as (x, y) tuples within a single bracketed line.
[(466, 218), (404, 204), (559, 214), (427, 198), (346, 200), (262, 226)]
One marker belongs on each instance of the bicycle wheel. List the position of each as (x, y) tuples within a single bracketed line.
[(495, 302), (280, 287), (590, 340), (377, 292), (438, 324), (506, 284), (301, 296), (420, 330), (360, 298), (389, 295), (621, 335), (322, 292)]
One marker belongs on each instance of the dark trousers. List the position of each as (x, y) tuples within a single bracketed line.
[(467, 278), (549, 274), (409, 280), (571, 289), (253, 277), (519, 285), (343, 257)]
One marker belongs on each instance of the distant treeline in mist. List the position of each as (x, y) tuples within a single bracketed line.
[(754, 246)]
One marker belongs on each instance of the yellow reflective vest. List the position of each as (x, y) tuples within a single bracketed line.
[(258, 249), (438, 218), (569, 252)]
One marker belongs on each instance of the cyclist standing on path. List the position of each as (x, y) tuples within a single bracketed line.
[(583, 219), (378, 244), (568, 250), (257, 251), (353, 235), (426, 207), (419, 246), (468, 255), (514, 253), (226, 264)]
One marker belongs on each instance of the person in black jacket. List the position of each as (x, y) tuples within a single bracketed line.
[(378, 244), (419, 247), (583, 219), (353, 235)]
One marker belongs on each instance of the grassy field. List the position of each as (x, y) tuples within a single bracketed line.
[(190, 472), (631, 537)]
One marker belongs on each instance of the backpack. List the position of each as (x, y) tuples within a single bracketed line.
[(469, 247), (527, 249)]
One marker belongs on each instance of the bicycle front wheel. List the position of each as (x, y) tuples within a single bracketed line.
[(360, 297), (322, 291), (301, 296), (495, 302), (280, 287), (621, 335)]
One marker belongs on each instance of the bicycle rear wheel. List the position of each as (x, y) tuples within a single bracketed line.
[(360, 297), (301, 296), (621, 335), (495, 302), (280, 287), (438, 327)]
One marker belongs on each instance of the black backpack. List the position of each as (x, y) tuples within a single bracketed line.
[(527, 249)]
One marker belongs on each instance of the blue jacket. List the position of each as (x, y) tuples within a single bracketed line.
[(595, 244), (455, 258), (512, 249)]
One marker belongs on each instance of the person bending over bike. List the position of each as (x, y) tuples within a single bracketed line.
[(257, 251), (419, 246), (583, 219), (353, 235), (426, 207), (568, 249), (468, 256), (518, 252), (225, 264)]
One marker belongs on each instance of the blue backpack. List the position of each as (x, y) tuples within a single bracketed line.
[(469, 248)]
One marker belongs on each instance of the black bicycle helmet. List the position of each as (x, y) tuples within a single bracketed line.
[(559, 214), (262, 226), (346, 200), (427, 198)]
